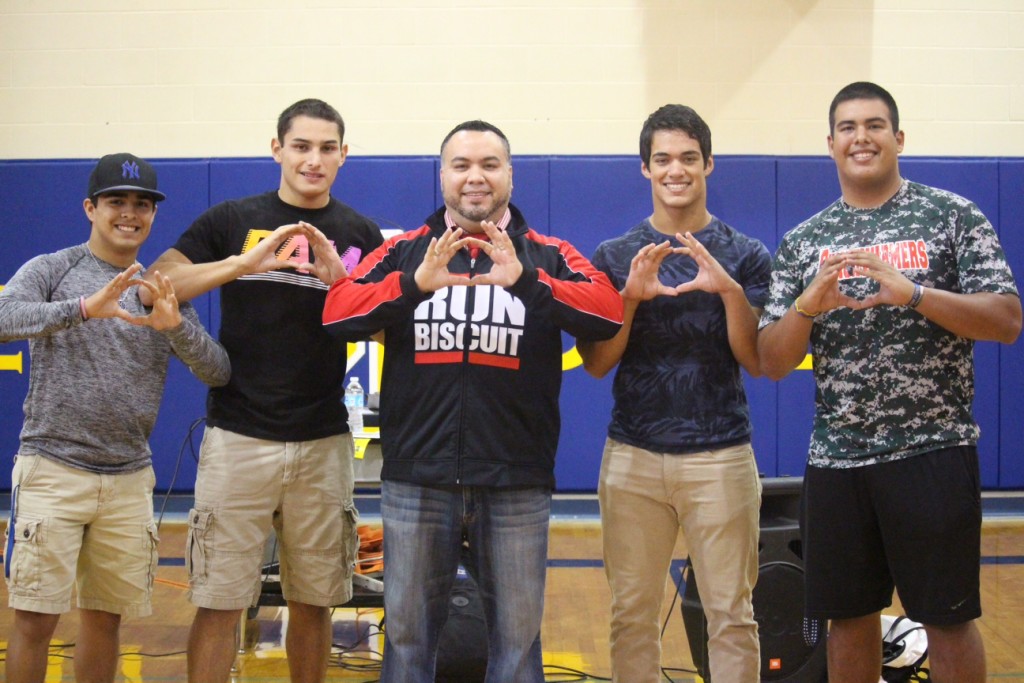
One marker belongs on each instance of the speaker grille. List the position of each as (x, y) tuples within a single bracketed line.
[(788, 639), (792, 646)]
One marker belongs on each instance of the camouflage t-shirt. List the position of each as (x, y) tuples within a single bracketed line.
[(890, 383)]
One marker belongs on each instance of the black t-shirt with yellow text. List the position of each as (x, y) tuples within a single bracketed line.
[(286, 372)]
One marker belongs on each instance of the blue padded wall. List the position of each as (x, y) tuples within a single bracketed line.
[(803, 187), (589, 205), (978, 180), (583, 199), (741, 191), (1011, 358)]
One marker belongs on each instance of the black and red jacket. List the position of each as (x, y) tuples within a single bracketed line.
[(469, 392)]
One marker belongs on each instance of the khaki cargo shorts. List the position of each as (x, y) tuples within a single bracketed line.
[(244, 488), (69, 524)]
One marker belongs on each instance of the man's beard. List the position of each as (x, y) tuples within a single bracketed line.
[(477, 214), (474, 213)]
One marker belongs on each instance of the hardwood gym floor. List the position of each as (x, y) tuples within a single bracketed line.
[(575, 624)]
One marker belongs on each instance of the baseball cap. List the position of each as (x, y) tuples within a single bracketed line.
[(124, 172)]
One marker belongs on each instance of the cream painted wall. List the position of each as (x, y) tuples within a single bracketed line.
[(197, 78)]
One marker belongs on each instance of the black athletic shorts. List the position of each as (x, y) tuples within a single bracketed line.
[(913, 524)]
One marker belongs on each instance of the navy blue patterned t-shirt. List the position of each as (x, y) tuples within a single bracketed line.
[(678, 387)]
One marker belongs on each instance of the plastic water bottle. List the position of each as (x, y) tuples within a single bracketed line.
[(355, 399)]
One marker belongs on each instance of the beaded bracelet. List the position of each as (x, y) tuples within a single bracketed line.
[(916, 297)]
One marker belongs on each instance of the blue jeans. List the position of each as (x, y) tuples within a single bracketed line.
[(507, 530)]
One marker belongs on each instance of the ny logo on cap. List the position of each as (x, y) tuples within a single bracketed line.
[(129, 169)]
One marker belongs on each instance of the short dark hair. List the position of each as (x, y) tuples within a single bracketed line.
[(481, 127), (864, 90), (675, 117), (313, 108)]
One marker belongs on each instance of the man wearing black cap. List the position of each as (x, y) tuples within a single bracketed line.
[(82, 503)]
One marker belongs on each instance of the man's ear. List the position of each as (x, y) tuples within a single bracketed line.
[(275, 149), (89, 208)]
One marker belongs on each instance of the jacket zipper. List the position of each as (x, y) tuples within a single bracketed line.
[(470, 298)]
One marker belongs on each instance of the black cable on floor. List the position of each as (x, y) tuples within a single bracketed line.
[(177, 465)]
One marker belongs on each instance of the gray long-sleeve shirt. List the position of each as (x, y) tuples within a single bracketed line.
[(95, 386)]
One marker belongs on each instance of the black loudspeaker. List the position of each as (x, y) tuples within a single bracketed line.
[(462, 643), (792, 646)]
